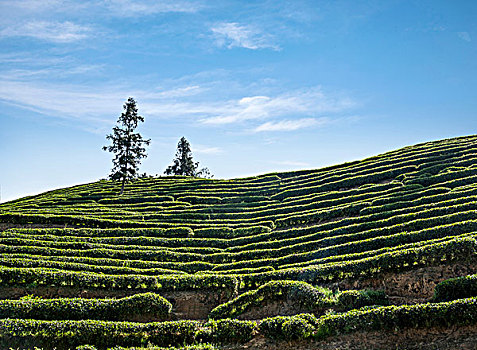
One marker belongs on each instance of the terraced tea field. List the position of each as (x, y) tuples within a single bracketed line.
[(323, 257)]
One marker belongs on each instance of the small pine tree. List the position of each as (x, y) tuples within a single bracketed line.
[(127, 145), (184, 165)]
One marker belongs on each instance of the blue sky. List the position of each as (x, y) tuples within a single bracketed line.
[(255, 86)]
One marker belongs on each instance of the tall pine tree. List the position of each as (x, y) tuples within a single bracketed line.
[(184, 165), (128, 146)]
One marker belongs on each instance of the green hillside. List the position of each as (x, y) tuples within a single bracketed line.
[(82, 265)]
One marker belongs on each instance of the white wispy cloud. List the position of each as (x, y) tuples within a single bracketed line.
[(309, 102), (58, 72), (133, 8), (29, 60), (95, 105), (57, 32), (36, 6), (464, 36), (182, 91), (291, 125), (231, 34), (62, 101)]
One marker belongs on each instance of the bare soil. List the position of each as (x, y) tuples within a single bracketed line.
[(452, 338)]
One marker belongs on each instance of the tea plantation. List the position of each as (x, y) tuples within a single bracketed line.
[(303, 256)]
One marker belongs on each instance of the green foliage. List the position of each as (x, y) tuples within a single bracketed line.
[(302, 295), (46, 277), (187, 347), (355, 299), (102, 334), (456, 288), (230, 331), (77, 308), (459, 249), (127, 146), (295, 327), (184, 165), (248, 241), (458, 312)]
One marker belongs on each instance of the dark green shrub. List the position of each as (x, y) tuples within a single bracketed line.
[(301, 293), (231, 331), (78, 308), (456, 288), (296, 327), (355, 299)]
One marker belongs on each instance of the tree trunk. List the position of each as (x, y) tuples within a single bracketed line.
[(122, 186), (127, 157)]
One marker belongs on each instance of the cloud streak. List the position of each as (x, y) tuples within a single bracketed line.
[(464, 36), (291, 125), (100, 8), (128, 8), (185, 103), (231, 35), (309, 102), (56, 32)]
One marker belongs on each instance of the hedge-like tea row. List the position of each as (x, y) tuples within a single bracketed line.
[(435, 152), (245, 271), (20, 333), (149, 347), (47, 277), (177, 267), (431, 195), (96, 255), (369, 253), (78, 244), (276, 211), (467, 175), (227, 232), (370, 171), (251, 233), (18, 218), (456, 288), (359, 242), (320, 215), (179, 232), (148, 304), (386, 203), (7, 261), (179, 244), (142, 199), (377, 240), (291, 241), (115, 266), (397, 216), (458, 312), (303, 296), (459, 249), (76, 220), (218, 200), (103, 334), (345, 182)]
